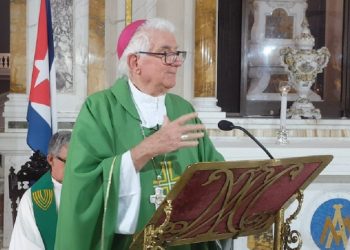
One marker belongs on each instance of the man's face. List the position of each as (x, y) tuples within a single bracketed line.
[(57, 164), (155, 76)]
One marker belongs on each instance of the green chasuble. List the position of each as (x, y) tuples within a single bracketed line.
[(108, 125), (45, 210)]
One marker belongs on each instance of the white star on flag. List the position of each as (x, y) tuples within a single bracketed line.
[(43, 67)]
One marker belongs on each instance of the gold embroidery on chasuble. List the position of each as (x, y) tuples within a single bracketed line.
[(43, 198), (168, 179)]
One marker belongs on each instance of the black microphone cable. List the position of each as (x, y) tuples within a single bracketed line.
[(227, 126)]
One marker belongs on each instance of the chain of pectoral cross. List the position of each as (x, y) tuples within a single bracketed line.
[(165, 180)]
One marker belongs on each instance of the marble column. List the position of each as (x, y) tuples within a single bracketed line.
[(128, 12), (205, 60), (96, 66), (18, 46), (205, 51)]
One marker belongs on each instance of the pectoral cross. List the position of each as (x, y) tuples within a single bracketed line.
[(158, 197), (163, 184)]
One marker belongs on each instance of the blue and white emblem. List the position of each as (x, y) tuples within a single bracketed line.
[(330, 225)]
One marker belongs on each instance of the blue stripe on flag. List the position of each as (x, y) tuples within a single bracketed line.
[(38, 131)]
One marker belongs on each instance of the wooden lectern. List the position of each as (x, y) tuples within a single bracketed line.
[(222, 200)]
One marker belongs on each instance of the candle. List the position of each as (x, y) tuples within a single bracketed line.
[(283, 115), (284, 88)]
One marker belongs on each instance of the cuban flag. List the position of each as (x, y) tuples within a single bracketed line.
[(41, 114)]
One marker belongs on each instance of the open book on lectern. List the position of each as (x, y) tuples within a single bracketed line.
[(221, 200)]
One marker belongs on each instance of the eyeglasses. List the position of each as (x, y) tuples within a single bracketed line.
[(168, 58), (61, 159)]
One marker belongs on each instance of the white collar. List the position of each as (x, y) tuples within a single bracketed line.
[(151, 109), (56, 183)]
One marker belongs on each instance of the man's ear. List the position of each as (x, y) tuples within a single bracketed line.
[(49, 159), (133, 63)]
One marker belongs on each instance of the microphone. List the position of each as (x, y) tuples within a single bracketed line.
[(227, 126)]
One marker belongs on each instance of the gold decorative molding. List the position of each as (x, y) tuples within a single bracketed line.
[(96, 76), (153, 235), (292, 238), (128, 12), (263, 241), (18, 82), (278, 240), (205, 49)]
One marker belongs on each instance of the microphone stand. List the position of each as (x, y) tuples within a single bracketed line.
[(254, 139)]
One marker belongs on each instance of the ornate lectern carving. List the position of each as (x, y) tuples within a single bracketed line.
[(222, 200)]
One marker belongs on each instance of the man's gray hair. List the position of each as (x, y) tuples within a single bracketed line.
[(57, 141), (141, 41)]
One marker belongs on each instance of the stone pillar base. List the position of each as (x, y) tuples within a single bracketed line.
[(208, 111), (205, 104)]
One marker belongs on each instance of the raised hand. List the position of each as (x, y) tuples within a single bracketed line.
[(173, 135)]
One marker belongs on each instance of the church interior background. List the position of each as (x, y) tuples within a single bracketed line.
[(232, 72)]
